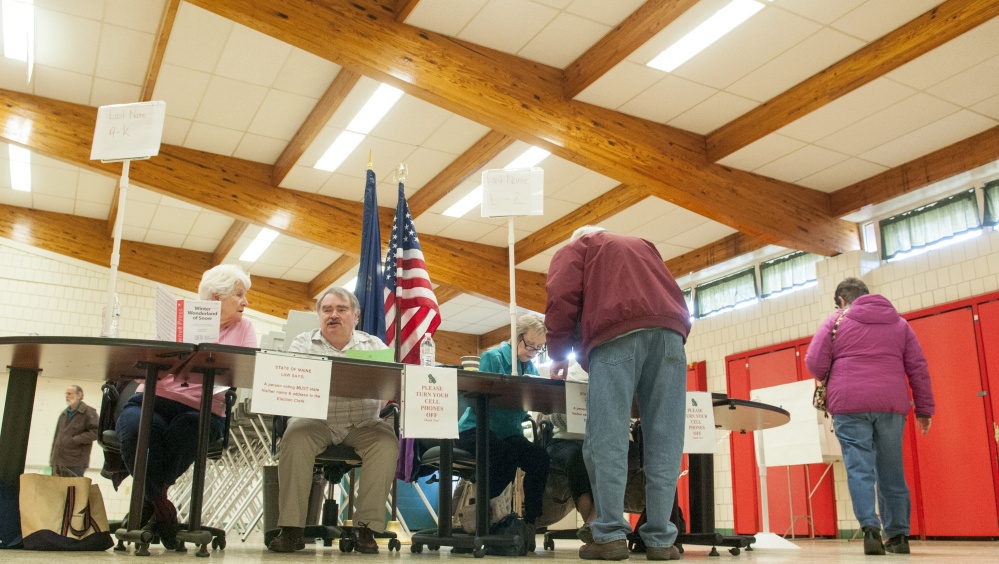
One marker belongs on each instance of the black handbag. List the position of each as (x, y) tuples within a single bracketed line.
[(819, 397)]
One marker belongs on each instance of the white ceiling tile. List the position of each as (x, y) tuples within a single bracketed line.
[(92, 187), (175, 203), (557, 4), (851, 108), (424, 164), (467, 229), (54, 181), (704, 234), (937, 135), (137, 194), (281, 115), (761, 152), (259, 149), (471, 314), (498, 237), (507, 25), (875, 18), (796, 64), (347, 187), (202, 244), (164, 238), (280, 253), (133, 233), (62, 85), (229, 103), (124, 54), (804, 162), (211, 227), (585, 188), (252, 57), (841, 175), (175, 130), (352, 103), (431, 223), (823, 11), (182, 89), (410, 121), (90, 9), (92, 210), (559, 173), (608, 13), (299, 275), (141, 16), (13, 197), (213, 139), (537, 263), (270, 271), (671, 225), (66, 42), (682, 25), (106, 92), (623, 82), (952, 57), (305, 74), (317, 259), (713, 113), (455, 135), (56, 204), (197, 38), (667, 99), (305, 179), (14, 75), (172, 220), (989, 107), (762, 37), (563, 40), (897, 120), (447, 17), (971, 86)]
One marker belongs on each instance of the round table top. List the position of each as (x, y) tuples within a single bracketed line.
[(745, 416)]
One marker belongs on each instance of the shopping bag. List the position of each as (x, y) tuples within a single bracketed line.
[(62, 514)]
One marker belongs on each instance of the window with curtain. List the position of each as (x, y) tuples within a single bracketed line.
[(787, 272), (992, 203), (922, 227), (688, 296), (725, 293)]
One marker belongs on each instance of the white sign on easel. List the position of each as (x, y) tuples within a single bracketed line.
[(575, 406), (294, 385), (796, 442), (699, 436), (429, 402)]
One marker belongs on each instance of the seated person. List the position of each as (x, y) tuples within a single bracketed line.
[(173, 439), (508, 448), (566, 453), (351, 421)]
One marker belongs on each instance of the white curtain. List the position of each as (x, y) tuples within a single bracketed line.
[(725, 292), (785, 272), (927, 225), (992, 202)]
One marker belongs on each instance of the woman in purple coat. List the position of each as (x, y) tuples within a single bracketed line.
[(873, 358)]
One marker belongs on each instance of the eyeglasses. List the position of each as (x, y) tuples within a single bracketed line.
[(532, 349)]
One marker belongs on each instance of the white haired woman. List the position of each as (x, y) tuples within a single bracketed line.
[(173, 438)]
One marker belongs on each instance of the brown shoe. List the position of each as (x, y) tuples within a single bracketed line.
[(613, 550), (364, 540), (663, 553), (289, 540)]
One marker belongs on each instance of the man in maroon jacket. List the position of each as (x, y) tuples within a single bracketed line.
[(613, 303)]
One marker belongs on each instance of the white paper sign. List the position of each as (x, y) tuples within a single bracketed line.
[(797, 442), (198, 321), (429, 402), (699, 436), (295, 385), (575, 406), (128, 131), (513, 192)]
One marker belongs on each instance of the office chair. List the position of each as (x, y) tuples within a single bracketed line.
[(113, 400), (337, 461)]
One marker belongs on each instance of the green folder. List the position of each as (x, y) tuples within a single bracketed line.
[(384, 355)]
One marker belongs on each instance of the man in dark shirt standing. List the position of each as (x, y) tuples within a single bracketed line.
[(613, 303), (74, 437)]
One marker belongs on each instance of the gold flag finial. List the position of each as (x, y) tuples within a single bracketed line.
[(369, 160)]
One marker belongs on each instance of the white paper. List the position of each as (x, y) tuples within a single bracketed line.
[(166, 314), (429, 402), (198, 321), (699, 436), (796, 442), (128, 131), (513, 192), (295, 385), (575, 406)]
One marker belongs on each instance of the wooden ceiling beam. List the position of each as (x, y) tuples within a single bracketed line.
[(643, 24), (228, 241), (730, 247), (472, 160), (921, 35), (83, 238), (494, 337), (445, 293), (403, 8), (615, 200), (320, 115), (332, 273), (526, 100), (159, 48), (952, 160)]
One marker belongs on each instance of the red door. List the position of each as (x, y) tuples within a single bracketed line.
[(954, 460)]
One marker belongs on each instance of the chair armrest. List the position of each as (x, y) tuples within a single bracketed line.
[(105, 421), (230, 400), (391, 410)]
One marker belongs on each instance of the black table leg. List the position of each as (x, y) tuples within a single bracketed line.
[(194, 533), (17, 425)]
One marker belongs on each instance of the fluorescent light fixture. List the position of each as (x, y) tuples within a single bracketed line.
[(722, 22), (373, 111), (18, 29), (528, 159), (259, 245), (20, 168)]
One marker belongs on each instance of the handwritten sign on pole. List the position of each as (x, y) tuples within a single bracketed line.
[(513, 192), (128, 131), (295, 385)]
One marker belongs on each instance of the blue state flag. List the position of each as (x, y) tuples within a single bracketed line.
[(370, 288)]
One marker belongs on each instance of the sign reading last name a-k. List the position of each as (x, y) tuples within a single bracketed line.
[(429, 402), (293, 385)]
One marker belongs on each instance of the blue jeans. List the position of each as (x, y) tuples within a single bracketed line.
[(651, 363), (173, 440), (872, 454)]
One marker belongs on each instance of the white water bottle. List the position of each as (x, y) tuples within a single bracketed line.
[(112, 329), (428, 351)]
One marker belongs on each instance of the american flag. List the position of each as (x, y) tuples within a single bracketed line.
[(405, 267)]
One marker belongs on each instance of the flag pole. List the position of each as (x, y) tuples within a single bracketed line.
[(400, 176), (513, 304)]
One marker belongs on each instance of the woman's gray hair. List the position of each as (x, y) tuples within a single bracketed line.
[(221, 280), (850, 289), (343, 293), (530, 322), (586, 230)]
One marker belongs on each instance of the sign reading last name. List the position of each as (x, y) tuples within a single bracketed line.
[(513, 192), (699, 436), (292, 385), (429, 402), (128, 131)]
